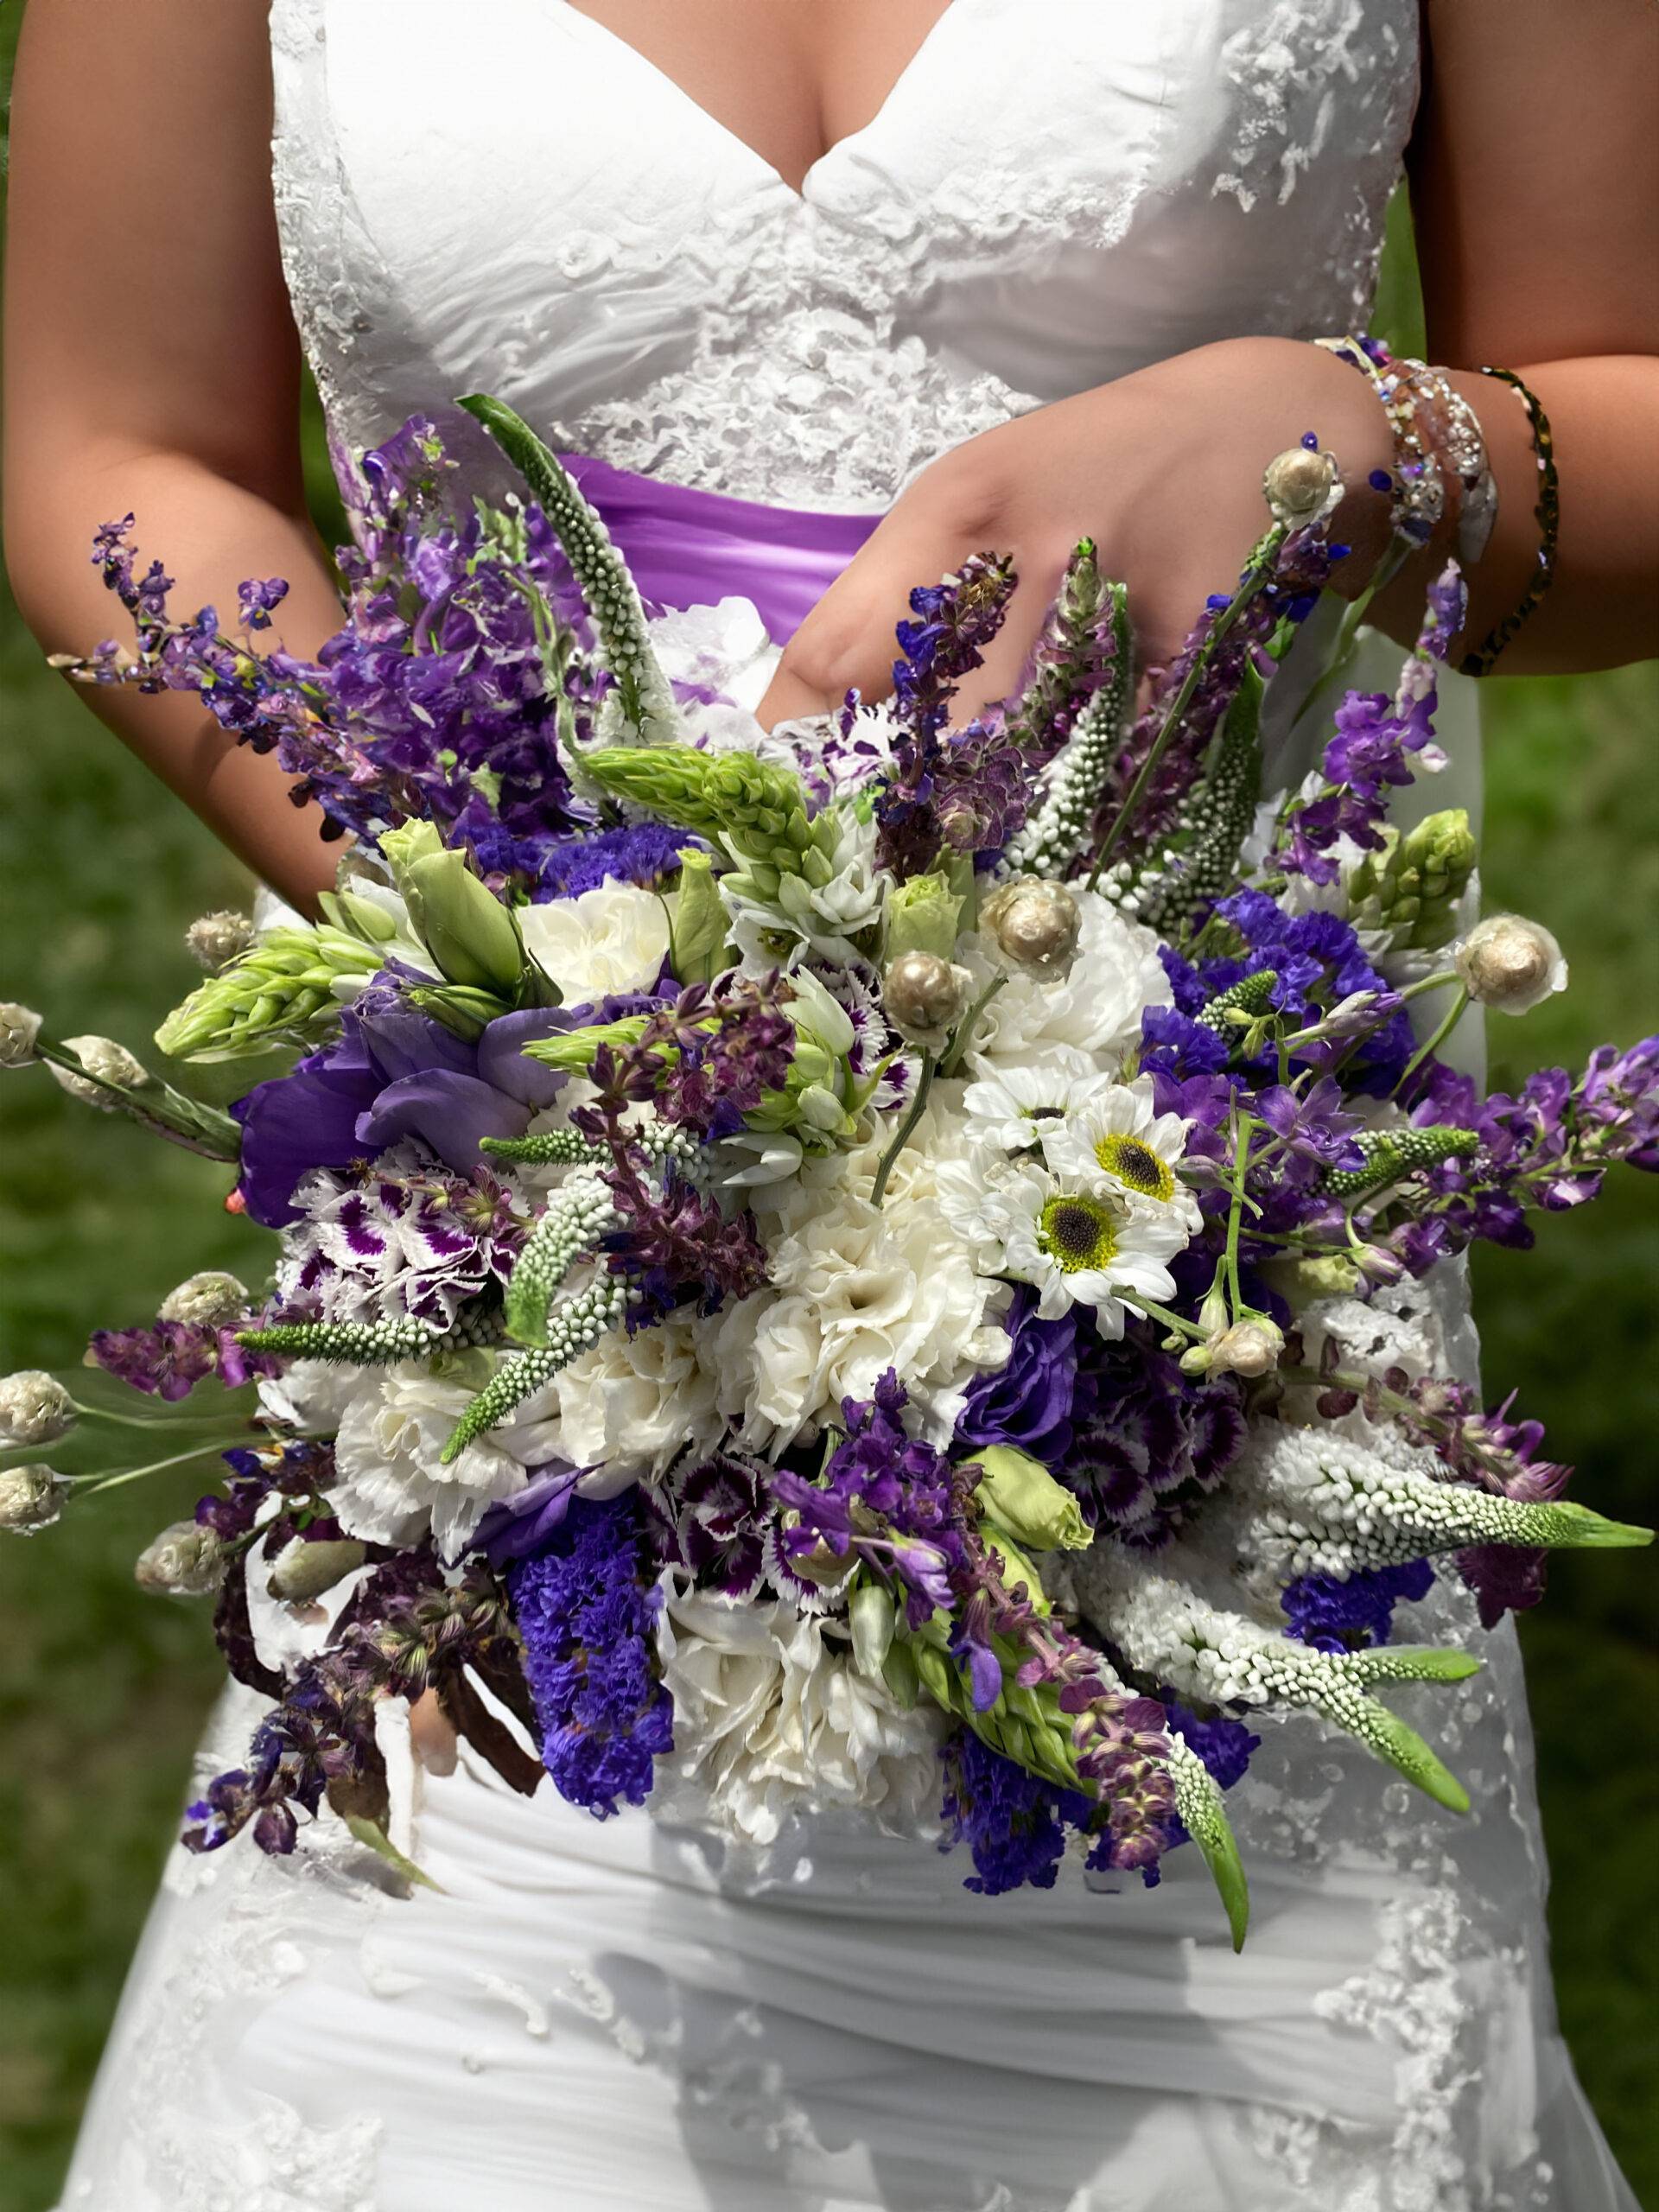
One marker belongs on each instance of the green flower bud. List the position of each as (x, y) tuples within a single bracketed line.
[(467, 930), (1412, 885), (1020, 1494), (872, 1617), (1017, 1569), (749, 807), (697, 943), (924, 915), (287, 988)]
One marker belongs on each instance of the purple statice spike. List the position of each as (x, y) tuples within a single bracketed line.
[(1344, 1616), (585, 1606), (1013, 1822)]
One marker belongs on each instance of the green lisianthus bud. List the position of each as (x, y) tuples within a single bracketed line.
[(697, 942), (467, 930), (361, 917), (1017, 1569), (400, 848), (924, 915), (872, 1617), (1020, 1495)]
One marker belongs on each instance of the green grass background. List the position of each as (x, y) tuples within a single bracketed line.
[(102, 1692)]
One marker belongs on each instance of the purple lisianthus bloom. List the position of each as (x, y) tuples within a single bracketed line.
[(1026, 1402), (521, 1526), (391, 1072)]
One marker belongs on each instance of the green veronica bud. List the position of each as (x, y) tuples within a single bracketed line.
[(924, 915), (287, 986), (467, 930), (751, 808), (697, 939), (1020, 1495)]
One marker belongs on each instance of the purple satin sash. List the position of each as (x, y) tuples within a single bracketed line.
[(689, 549)]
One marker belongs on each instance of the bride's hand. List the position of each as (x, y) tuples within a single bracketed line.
[(1162, 469)]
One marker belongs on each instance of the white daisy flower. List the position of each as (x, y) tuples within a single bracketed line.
[(1116, 1140), (1075, 1245), (1009, 1108)]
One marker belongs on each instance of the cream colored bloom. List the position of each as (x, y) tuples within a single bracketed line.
[(610, 940), (632, 1404), (1087, 1020), (773, 1720), (1117, 1139)]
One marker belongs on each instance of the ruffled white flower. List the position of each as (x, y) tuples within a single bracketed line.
[(611, 939), (1088, 1020), (1076, 1246), (632, 1404), (390, 1425), (773, 1720), (811, 920), (1117, 1141), (854, 1291), (1008, 1109)]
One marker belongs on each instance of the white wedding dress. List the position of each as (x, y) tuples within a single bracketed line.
[(501, 195)]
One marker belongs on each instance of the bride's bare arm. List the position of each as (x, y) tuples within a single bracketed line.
[(1535, 178), (151, 367)]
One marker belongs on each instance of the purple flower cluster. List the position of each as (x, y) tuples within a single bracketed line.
[(1026, 1402), (888, 1496), (1012, 1821), (585, 1608), (714, 1518), (1370, 755), (168, 1358), (1147, 1438), (705, 1060), (1335, 1615), (966, 792)]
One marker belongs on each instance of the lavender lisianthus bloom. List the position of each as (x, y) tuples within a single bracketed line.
[(392, 1072), (1026, 1402), (521, 1526)]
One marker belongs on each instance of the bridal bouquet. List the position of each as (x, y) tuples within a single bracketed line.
[(874, 1268)]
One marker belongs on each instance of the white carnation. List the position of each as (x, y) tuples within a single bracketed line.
[(390, 1424), (611, 940), (773, 1720), (855, 1291), (633, 1403), (1088, 1020)]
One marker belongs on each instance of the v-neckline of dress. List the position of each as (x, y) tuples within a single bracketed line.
[(800, 194)]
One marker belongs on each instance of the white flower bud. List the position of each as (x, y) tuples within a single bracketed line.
[(35, 1409), (1250, 1348), (924, 997), (1035, 925), (30, 1498), (1509, 964), (186, 1561), (111, 1063), (19, 1027), (305, 1570), (205, 1301), (216, 940), (1301, 486)]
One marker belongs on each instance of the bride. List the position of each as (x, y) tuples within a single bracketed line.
[(994, 272)]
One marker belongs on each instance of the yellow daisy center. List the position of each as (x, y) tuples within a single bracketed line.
[(1077, 1233), (1136, 1165)]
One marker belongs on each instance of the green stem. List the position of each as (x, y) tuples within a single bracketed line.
[(156, 1466), (917, 1104), (1454, 1014), (139, 1420), (1254, 576), (953, 1059), (1434, 982), (1235, 1212), (1156, 1312)]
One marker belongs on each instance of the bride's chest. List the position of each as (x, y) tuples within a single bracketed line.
[(1053, 192)]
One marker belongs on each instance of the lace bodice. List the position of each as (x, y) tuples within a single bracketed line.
[(1054, 192)]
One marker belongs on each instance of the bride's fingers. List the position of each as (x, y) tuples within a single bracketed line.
[(432, 1734)]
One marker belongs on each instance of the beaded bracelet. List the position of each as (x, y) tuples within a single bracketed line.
[(1418, 483), (1548, 514)]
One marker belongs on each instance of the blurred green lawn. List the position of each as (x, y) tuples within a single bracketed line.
[(102, 1692)]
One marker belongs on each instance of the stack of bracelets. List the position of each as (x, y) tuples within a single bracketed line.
[(1441, 454)]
